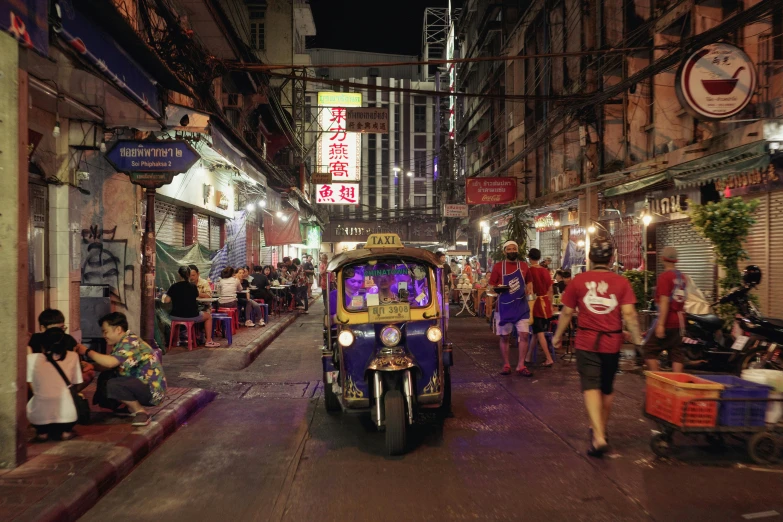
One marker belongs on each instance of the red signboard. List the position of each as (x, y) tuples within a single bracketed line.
[(490, 191)]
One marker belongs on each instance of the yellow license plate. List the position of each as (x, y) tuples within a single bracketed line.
[(391, 313)]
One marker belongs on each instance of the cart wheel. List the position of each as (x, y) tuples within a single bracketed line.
[(331, 401), (661, 445), (763, 448), (396, 426)]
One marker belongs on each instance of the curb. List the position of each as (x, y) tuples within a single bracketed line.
[(271, 334), (74, 497)]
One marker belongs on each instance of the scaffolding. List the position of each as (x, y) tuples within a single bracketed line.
[(436, 30)]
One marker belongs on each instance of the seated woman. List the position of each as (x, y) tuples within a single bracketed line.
[(184, 307), (253, 312), (354, 289), (227, 289)]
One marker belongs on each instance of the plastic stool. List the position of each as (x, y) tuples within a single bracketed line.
[(234, 314), (191, 331), (224, 322), (532, 346), (265, 308)]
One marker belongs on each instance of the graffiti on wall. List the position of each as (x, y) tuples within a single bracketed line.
[(105, 261)]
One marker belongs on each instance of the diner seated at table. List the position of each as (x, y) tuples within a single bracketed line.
[(183, 297), (300, 287), (261, 283), (253, 312), (204, 290)]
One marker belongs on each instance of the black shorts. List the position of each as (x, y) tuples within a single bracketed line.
[(597, 370), (671, 342), (540, 325)]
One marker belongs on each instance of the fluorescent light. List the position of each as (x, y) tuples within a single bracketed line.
[(251, 206), (262, 203), (279, 214)]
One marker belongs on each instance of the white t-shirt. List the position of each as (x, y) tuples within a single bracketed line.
[(52, 402), (227, 290)]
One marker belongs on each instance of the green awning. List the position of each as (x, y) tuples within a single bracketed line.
[(738, 160), (635, 185)]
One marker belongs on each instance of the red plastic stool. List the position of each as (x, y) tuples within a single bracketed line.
[(190, 326), (234, 314)]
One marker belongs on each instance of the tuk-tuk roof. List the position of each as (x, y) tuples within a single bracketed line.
[(362, 254)]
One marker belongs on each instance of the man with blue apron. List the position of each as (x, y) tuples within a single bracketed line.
[(513, 310)]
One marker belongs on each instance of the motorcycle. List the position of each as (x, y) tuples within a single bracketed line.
[(757, 343)]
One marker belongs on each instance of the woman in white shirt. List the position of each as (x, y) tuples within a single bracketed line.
[(51, 410)]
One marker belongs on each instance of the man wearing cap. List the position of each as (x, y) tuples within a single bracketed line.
[(603, 299), (513, 310), (670, 298)]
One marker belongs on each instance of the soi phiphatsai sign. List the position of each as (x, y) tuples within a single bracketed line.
[(716, 82)]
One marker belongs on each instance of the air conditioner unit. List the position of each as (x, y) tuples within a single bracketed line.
[(232, 100)]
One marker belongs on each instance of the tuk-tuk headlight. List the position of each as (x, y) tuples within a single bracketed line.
[(345, 338), (434, 334), (390, 336)]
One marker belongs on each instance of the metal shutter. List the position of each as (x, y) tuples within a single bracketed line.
[(266, 252), (775, 277), (758, 247), (203, 229), (696, 257), (170, 224), (550, 244), (214, 233)]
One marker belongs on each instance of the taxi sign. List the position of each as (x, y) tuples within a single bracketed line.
[(384, 241)]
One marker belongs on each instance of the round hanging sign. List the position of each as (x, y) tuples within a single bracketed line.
[(716, 82)]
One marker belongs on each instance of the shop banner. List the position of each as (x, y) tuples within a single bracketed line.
[(337, 194), (283, 230), (367, 119), (27, 21), (548, 221), (100, 50), (455, 211), (490, 191)]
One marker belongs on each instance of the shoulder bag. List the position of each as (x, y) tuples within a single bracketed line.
[(81, 404)]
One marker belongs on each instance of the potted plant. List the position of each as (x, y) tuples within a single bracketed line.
[(516, 230)]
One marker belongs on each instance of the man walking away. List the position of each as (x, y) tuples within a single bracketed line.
[(513, 310), (670, 298), (604, 299), (541, 280)]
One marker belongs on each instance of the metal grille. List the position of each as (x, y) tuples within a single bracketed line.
[(202, 223), (696, 256), (550, 243), (214, 233), (38, 205), (628, 241), (775, 279), (170, 223)]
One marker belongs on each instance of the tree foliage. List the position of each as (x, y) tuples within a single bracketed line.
[(516, 230)]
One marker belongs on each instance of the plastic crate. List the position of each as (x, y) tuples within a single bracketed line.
[(667, 394), (741, 413)]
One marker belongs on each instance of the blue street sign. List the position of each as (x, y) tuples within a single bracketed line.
[(163, 157)]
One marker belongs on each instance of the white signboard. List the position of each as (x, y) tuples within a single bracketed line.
[(337, 194), (367, 119), (339, 151), (455, 211)]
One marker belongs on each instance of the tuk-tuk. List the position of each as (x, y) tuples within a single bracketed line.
[(385, 350)]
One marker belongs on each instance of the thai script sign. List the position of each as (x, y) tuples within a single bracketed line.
[(546, 221), (747, 182), (367, 119), (169, 157), (455, 211), (490, 191), (320, 178)]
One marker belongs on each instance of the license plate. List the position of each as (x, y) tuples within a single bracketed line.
[(391, 313), (740, 342)]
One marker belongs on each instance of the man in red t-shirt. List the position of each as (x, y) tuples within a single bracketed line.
[(603, 300), (670, 298), (542, 306), (513, 310)]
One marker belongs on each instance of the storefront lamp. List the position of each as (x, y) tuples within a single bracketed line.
[(409, 174), (557, 224), (484, 225), (397, 169), (774, 145), (250, 206), (279, 214), (262, 203), (591, 230), (646, 219)]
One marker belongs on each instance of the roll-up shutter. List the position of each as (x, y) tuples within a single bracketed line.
[(758, 248), (775, 278), (214, 233), (266, 252), (696, 257), (203, 229), (550, 244), (170, 223)]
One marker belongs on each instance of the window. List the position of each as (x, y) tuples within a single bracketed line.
[(420, 202), (419, 118), (420, 163), (256, 15), (386, 283)]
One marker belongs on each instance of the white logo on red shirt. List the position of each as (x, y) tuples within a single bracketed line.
[(597, 304)]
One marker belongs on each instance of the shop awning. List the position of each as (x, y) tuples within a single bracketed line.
[(746, 158), (635, 185)]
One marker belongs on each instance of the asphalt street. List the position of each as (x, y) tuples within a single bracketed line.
[(266, 450)]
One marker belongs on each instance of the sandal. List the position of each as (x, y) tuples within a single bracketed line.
[(597, 451), (524, 372), (68, 435), (43, 437), (506, 370), (212, 344), (548, 365)]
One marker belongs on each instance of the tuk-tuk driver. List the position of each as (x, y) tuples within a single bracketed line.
[(385, 293)]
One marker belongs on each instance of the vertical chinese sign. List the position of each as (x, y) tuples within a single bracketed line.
[(339, 151)]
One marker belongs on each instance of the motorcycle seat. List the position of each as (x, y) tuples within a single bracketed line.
[(710, 322), (777, 323)]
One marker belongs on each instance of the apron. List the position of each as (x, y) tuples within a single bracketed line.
[(512, 305)]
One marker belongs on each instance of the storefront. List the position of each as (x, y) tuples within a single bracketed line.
[(550, 237)]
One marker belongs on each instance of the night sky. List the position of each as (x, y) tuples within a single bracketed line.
[(386, 26)]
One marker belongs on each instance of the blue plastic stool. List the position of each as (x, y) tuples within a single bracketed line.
[(532, 346), (224, 321)]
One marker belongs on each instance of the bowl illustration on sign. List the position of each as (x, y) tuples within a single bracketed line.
[(722, 87)]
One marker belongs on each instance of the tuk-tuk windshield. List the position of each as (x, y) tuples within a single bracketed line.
[(384, 283)]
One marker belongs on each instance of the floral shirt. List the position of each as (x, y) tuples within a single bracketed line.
[(137, 360)]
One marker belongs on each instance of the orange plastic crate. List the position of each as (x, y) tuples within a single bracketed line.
[(667, 394)]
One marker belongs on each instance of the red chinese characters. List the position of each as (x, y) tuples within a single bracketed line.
[(348, 194)]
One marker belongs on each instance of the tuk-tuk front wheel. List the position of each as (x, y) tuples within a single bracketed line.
[(331, 401), (396, 425)]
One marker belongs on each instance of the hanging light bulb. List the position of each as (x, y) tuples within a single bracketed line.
[(250, 206), (56, 130), (103, 147), (262, 203), (279, 214)]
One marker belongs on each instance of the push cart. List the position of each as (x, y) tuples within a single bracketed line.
[(693, 406)]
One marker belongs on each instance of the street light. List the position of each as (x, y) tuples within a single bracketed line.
[(397, 169), (409, 174), (250, 207), (591, 230), (646, 219)]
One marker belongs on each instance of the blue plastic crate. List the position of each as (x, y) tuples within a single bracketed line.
[(740, 413)]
